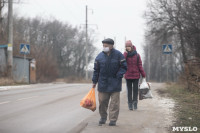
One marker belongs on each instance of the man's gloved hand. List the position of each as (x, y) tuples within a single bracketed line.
[(94, 86), (119, 76)]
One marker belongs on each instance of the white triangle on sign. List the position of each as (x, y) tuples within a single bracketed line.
[(25, 49), (167, 49)]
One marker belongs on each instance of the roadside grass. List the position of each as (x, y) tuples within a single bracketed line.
[(9, 82), (187, 107), (6, 81)]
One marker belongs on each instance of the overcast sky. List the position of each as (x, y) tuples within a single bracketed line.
[(114, 18)]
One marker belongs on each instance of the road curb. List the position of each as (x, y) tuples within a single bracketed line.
[(79, 128)]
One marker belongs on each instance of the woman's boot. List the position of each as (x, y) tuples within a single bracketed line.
[(130, 106), (135, 104)]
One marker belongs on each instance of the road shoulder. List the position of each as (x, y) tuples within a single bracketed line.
[(153, 116)]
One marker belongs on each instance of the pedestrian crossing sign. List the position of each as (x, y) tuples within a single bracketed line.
[(167, 48), (24, 48)]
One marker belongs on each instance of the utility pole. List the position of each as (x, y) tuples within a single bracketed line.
[(1, 7), (149, 64), (0, 11), (86, 36), (124, 48), (115, 42), (86, 46), (10, 38)]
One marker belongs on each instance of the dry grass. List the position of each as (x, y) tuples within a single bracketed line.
[(187, 108), (9, 82), (6, 81)]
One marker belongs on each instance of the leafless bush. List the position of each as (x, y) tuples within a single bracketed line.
[(192, 75), (173, 22)]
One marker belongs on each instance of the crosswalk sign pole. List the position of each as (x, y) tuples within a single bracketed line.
[(24, 49), (167, 49), (24, 67), (167, 68)]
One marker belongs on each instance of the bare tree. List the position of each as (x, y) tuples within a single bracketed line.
[(171, 22), (59, 48)]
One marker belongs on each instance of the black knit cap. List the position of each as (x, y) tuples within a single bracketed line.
[(108, 41)]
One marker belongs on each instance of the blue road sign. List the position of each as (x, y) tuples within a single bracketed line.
[(167, 48), (24, 48)]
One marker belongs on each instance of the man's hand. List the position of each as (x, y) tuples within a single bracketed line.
[(94, 86)]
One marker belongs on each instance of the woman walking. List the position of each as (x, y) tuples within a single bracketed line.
[(132, 76)]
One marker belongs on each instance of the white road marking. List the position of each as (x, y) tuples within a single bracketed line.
[(26, 98), (5, 102), (18, 99)]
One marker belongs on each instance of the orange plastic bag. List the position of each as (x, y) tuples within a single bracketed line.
[(89, 101)]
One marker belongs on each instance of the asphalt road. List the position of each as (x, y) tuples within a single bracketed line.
[(43, 108), (55, 108)]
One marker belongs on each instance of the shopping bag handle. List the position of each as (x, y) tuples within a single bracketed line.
[(93, 91)]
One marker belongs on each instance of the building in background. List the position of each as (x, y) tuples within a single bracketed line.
[(24, 69)]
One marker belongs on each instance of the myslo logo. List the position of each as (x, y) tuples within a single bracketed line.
[(185, 129)]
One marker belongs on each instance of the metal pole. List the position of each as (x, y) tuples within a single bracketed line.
[(161, 64), (115, 42), (167, 68), (24, 68), (10, 37), (0, 14), (149, 65), (86, 51), (124, 49)]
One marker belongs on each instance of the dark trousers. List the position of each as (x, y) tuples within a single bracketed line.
[(132, 89)]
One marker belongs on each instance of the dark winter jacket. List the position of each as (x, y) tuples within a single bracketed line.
[(109, 70)]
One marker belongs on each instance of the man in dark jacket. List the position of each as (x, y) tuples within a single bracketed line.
[(109, 67)]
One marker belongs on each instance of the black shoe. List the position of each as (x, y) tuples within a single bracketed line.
[(102, 121), (130, 106), (112, 123), (135, 105)]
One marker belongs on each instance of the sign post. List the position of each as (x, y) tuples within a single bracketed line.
[(167, 49), (24, 49)]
